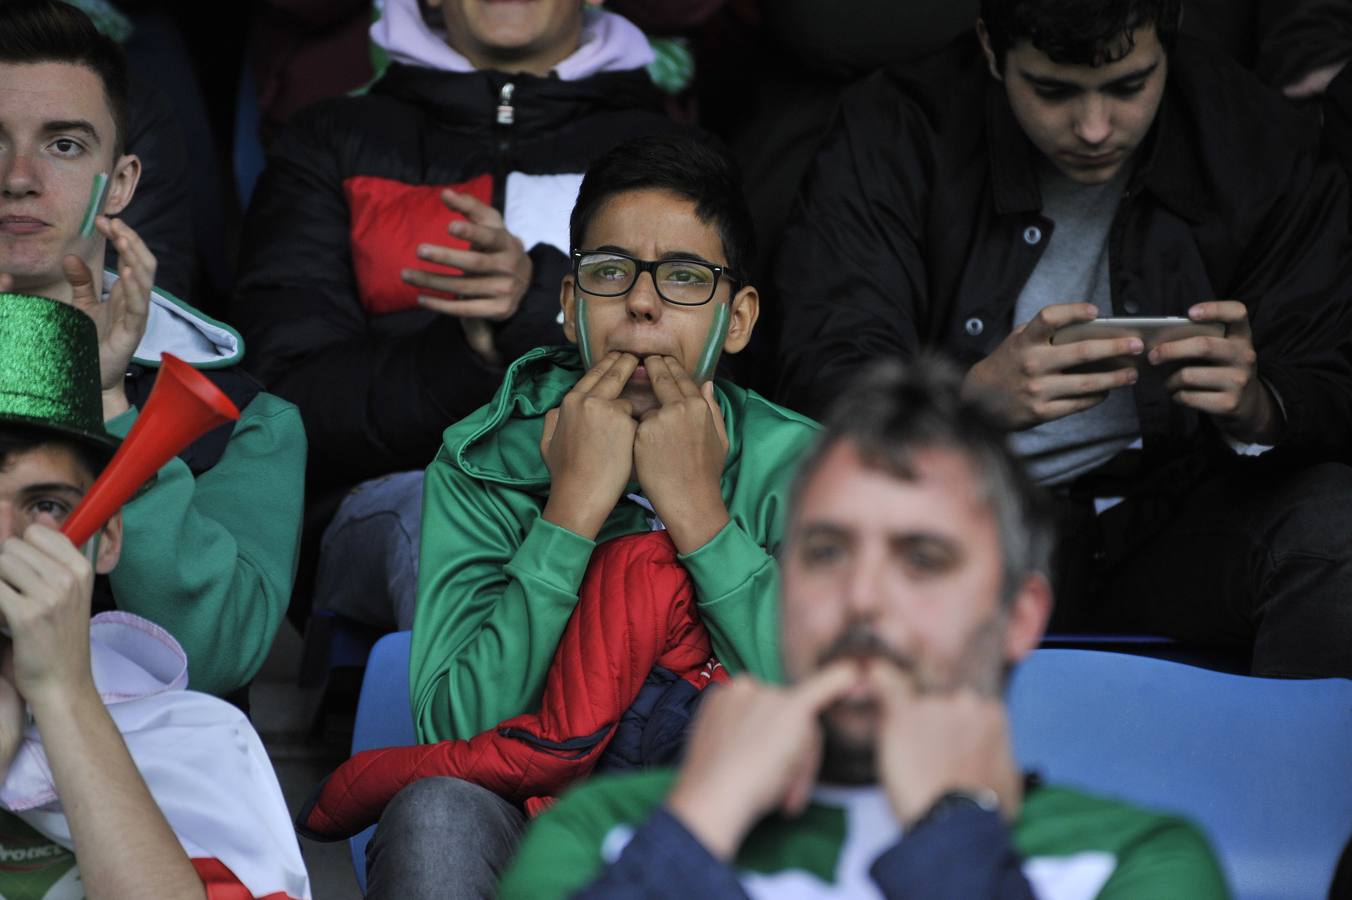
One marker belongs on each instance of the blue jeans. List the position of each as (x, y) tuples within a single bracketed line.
[(368, 560)]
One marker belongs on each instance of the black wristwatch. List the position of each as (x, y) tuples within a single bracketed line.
[(950, 802)]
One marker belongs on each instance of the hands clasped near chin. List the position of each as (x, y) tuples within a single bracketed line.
[(592, 446)]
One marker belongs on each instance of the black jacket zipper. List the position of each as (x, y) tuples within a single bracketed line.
[(506, 118)]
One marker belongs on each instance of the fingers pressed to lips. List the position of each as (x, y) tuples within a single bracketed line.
[(683, 379), (892, 686), (829, 684), (593, 375), (613, 379), (663, 380)]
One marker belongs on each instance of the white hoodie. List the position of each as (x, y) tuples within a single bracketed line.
[(202, 760)]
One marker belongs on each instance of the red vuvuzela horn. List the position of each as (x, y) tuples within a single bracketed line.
[(183, 406)]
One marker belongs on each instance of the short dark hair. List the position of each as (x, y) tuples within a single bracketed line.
[(694, 168), (40, 31), (1078, 32), (892, 411), (16, 440)]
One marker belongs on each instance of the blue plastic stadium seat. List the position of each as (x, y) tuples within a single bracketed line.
[(384, 717), (1264, 766)]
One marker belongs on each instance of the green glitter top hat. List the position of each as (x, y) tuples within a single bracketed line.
[(49, 369)]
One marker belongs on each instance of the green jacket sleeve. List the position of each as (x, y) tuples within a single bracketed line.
[(737, 588), (211, 559), (496, 585), (1171, 861), (564, 849), (559, 855)]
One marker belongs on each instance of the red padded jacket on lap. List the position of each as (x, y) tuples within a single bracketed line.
[(635, 611)]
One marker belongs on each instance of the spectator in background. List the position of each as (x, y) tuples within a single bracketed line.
[(403, 247), (1306, 55), (789, 61), (303, 51), (915, 577), (213, 541), (116, 780), (1082, 160), (183, 209)]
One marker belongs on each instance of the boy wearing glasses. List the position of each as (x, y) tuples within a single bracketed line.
[(622, 433)]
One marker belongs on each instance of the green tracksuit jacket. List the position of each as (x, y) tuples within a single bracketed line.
[(497, 583), (211, 559)]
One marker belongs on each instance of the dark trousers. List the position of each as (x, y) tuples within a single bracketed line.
[(442, 838), (1250, 558)]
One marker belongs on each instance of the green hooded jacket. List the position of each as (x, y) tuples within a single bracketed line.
[(211, 558), (497, 583)]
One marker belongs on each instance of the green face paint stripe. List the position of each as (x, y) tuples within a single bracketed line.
[(583, 345), (718, 333), (96, 195)]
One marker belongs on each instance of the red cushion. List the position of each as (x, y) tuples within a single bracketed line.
[(389, 219)]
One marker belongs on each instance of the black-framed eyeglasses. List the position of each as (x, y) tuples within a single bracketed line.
[(684, 282)]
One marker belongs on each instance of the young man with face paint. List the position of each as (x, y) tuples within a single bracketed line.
[(569, 455), (216, 536), (1074, 161)]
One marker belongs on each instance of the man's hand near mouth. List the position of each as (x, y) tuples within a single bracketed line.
[(679, 451)]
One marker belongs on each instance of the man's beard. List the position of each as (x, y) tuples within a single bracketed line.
[(981, 667)]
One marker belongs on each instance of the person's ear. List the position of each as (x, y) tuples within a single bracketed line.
[(1028, 615), (985, 37), (122, 183), (110, 546), (568, 300), (743, 311)]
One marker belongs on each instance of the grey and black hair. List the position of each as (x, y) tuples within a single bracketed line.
[(892, 411)]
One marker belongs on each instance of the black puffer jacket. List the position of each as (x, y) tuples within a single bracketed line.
[(350, 190)]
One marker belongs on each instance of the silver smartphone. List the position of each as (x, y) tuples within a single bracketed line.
[(1152, 330)]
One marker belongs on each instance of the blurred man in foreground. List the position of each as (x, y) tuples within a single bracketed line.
[(914, 578)]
